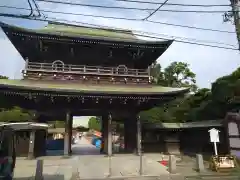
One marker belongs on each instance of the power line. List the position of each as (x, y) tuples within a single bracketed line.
[(131, 19), (132, 8), (21, 15), (37, 8), (140, 35), (175, 4), (96, 6), (157, 34), (139, 2), (191, 27), (146, 18), (99, 16), (76, 14), (154, 37)]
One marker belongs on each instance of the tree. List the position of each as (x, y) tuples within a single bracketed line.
[(178, 110), (15, 114), (177, 74), (94, 123), (225, 97), (3, 77)]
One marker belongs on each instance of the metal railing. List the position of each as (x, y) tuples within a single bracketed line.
[(88, 70)]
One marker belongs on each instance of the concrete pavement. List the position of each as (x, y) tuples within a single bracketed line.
[(83, 147), (121, 165), (90, 164)]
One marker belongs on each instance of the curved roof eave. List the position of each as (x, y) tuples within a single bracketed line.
[(93, 89)]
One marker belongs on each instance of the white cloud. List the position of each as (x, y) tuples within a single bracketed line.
[(208, 63)]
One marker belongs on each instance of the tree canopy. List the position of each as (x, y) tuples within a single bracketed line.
[(177, 74), (15, 114), (3, 77), (204, 104), (94, 123)]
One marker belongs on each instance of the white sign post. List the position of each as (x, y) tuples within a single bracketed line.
[(214, 138)]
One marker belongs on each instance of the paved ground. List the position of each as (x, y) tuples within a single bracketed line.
[(90, 165), (83, 147)]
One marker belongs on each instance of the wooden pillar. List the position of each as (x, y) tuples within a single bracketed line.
[(105, 134), (31, 154), (126, 136), (103, 125), (109, 128), (130, 134), (70, 126), (67, 135)]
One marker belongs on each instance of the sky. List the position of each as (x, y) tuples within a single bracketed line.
[(81, 121), (208, 63)]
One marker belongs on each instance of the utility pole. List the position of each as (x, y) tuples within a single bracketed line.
[(236, 17)]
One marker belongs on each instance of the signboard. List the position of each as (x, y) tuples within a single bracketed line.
[(214, 135), (223, 163), (214, 138)]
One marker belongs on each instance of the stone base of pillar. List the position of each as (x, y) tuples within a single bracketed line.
[(30, 157), (66, 156)]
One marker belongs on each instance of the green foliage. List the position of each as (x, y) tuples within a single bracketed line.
[(225, 97), (204, 104), (57, 124), (82, 129), (3, 77), (15, 114), (94, 123), (177, 74)]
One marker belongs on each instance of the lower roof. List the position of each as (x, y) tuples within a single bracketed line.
[(75, 87), (24, 125), (187, 125)]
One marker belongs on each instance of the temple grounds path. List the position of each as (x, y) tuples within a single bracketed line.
[(90, 164)]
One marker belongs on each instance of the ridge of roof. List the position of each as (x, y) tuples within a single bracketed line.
[(61, 29)]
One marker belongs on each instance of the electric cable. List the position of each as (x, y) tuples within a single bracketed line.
[(157, 34), (134, 19), (133, 8), (21, 15), (96, 6), (174, 4), (138, 2), (154, 37), (37, 8), (151, 14), (140, 35)]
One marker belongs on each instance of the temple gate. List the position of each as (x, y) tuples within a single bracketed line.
[(72, 70)]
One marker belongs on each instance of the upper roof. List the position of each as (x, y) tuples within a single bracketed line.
[(73, 31), (89, 88)]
